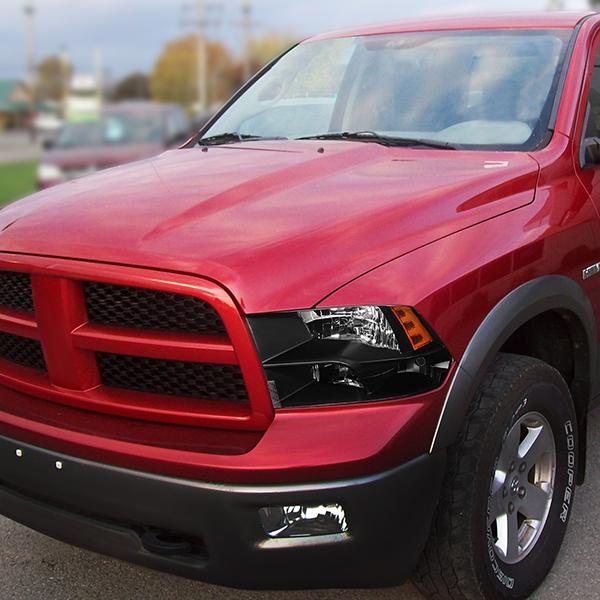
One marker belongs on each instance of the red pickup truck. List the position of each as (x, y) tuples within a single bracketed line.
[(348, 331)]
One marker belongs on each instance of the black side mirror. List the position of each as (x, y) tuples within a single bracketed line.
[(48, 144), (591, 152)]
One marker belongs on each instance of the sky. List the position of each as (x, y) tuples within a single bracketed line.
[(131, 33)]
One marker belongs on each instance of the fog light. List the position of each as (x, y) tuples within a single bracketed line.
[(303, 521)]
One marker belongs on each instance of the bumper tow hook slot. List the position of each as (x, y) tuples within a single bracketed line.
[(166, 544)]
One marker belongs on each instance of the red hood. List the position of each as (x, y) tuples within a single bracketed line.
[(280, 224), (99, 156)]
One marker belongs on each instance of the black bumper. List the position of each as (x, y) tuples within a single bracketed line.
[(108, 509)]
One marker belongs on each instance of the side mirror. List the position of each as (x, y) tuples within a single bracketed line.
[(591, 152), (48, 144)]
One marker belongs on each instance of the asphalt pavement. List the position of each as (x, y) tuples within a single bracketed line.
[(34, 567)]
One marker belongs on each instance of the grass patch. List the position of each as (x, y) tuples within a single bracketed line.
[(16, 180)]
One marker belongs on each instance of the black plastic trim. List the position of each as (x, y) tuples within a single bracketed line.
[(110, 510), (551, 292)]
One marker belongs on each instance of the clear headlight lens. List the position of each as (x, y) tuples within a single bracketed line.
[(48, 172), (348, 354)]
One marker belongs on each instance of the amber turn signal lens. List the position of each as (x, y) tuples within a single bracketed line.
[(415, 330)]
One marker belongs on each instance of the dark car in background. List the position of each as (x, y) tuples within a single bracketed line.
[(120, 133)]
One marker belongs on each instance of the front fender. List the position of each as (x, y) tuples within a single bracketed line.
[(551, 292)]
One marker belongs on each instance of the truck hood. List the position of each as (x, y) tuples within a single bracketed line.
[(280, 224)]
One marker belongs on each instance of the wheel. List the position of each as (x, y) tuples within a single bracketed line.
[(509, 487)]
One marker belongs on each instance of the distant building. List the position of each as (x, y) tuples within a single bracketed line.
[(14, 104)]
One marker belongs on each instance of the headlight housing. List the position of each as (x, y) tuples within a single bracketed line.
[(348, 354), (49, 172)]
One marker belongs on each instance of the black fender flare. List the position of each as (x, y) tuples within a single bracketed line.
[(550, 292)]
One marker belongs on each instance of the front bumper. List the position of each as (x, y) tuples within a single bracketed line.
[(108, 509)]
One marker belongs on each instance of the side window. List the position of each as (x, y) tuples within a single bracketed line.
[(176, 125), (171, 127), (593, 123)]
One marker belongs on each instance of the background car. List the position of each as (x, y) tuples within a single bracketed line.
[(120, 133)]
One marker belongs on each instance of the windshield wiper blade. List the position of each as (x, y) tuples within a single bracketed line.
[(234, 137), (386, 140)]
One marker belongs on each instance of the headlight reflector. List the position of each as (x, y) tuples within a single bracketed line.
[(365, 324)]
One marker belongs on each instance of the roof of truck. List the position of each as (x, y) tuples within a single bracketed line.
[(540, 20)]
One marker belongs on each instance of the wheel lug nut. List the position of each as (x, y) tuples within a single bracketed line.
[(504, 492), (511, 508), (522, 467), (522, 492)]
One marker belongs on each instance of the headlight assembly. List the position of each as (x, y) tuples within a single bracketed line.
[(49, 172), (348, 354)]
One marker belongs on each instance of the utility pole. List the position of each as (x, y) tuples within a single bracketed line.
[(65, 77), (200, 24), (99, 73), (202, 56), (29, 10), (247, 24)]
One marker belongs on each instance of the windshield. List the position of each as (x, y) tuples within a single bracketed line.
[(485, 89), (112, 129)]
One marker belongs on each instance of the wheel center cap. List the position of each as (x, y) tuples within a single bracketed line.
[(514, 486)]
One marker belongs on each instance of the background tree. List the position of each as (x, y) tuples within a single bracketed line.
[(52, 79), (174, 76), (132, 87), (260, 52), (263, 50)]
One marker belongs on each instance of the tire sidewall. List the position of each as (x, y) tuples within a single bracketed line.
[(547, 394)]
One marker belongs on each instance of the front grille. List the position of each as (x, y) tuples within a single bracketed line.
[(22, 351), (172, 378), (15, 291), (138, 308), (167, 357)]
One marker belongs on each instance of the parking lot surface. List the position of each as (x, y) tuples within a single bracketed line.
[(34, 567)]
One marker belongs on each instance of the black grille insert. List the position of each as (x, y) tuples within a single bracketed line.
[(173, 378), (138, 308), (22, 351), (15, 291)]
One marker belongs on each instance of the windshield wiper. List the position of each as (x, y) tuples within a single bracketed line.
[(232, 138), (386, 140)]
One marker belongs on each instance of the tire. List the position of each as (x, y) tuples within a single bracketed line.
[(471, 554)]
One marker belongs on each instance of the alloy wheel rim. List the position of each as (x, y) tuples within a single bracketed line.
[(522, 487)]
